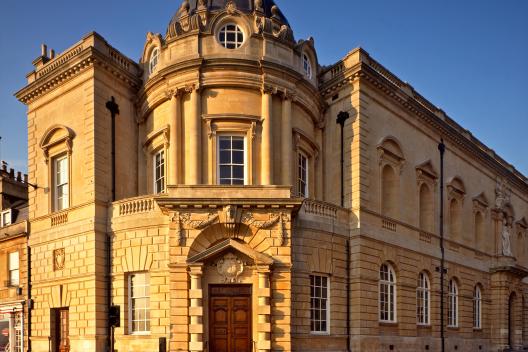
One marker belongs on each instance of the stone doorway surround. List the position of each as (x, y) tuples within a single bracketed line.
[(230, 262), (206, 230)]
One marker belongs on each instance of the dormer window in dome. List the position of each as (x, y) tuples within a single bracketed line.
[(153, 62), (231, 36), (307, 65)]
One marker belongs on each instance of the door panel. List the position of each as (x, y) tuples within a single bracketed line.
[(230, 319)]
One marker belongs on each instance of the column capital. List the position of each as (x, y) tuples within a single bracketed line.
[(192, 87), (269, 89), (173, 93), (196, 269), (289, 95)]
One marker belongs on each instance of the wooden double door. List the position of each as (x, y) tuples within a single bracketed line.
[(230, 318), (60, 331)]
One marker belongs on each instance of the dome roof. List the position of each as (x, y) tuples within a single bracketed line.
[(246, 6)]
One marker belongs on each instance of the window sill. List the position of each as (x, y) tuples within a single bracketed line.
[(453, 328), (388, 323), (320, 333), (424, 326), (477, 329)]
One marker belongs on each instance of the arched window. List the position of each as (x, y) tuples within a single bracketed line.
[(455, 218), (153, 62), (423, 299), (426, 208), (389, 184), (307, 65), (231, 36), (452, 307), (477, 308), (387, 294)]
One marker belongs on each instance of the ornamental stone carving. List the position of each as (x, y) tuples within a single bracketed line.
[(506, 241), (176, 226), (502, 193), (230, 267), (59, 259)]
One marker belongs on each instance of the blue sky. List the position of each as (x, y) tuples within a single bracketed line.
[(469, 57)]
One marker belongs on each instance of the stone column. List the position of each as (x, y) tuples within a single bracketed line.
[(264, 312), (175, 139), (286, 139), (196, 328), (193, 150), (266, 154)]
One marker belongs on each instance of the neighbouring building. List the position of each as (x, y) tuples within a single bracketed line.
[(13, 262), (194, 200)]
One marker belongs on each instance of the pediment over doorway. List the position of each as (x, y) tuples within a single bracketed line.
[(231, 244)]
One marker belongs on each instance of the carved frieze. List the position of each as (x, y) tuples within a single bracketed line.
[(230, 216)]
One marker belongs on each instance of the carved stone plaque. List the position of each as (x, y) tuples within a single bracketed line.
[(58, 259)]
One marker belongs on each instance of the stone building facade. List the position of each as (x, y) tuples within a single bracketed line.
[(195, 200), (13, 260)]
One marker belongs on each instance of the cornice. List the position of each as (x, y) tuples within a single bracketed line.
[(212, 203), (379, 77), (57, 75)]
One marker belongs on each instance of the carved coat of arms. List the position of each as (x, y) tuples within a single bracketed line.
[(230, 267)]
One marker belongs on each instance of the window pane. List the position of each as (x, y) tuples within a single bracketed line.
[(238, 172), (225, 172), (225, 143), (238, 143), (225, 157)]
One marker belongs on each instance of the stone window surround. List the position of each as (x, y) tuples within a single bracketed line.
[(303, 145), (455, 191), (328, 304), (53, 177), (233, 19), (392, 158), (129, 300), (154, 55), (12, 268), (393, 304), (155, 142), (161, 154), (477, 306), (242, 125), (426, 174), (453, 303), (426, 291), (53, 149), (6, 214)]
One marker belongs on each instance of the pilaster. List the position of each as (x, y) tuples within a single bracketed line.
[(196, 328), (266, 167), (193, 150), (286, 139), (264, 312)]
